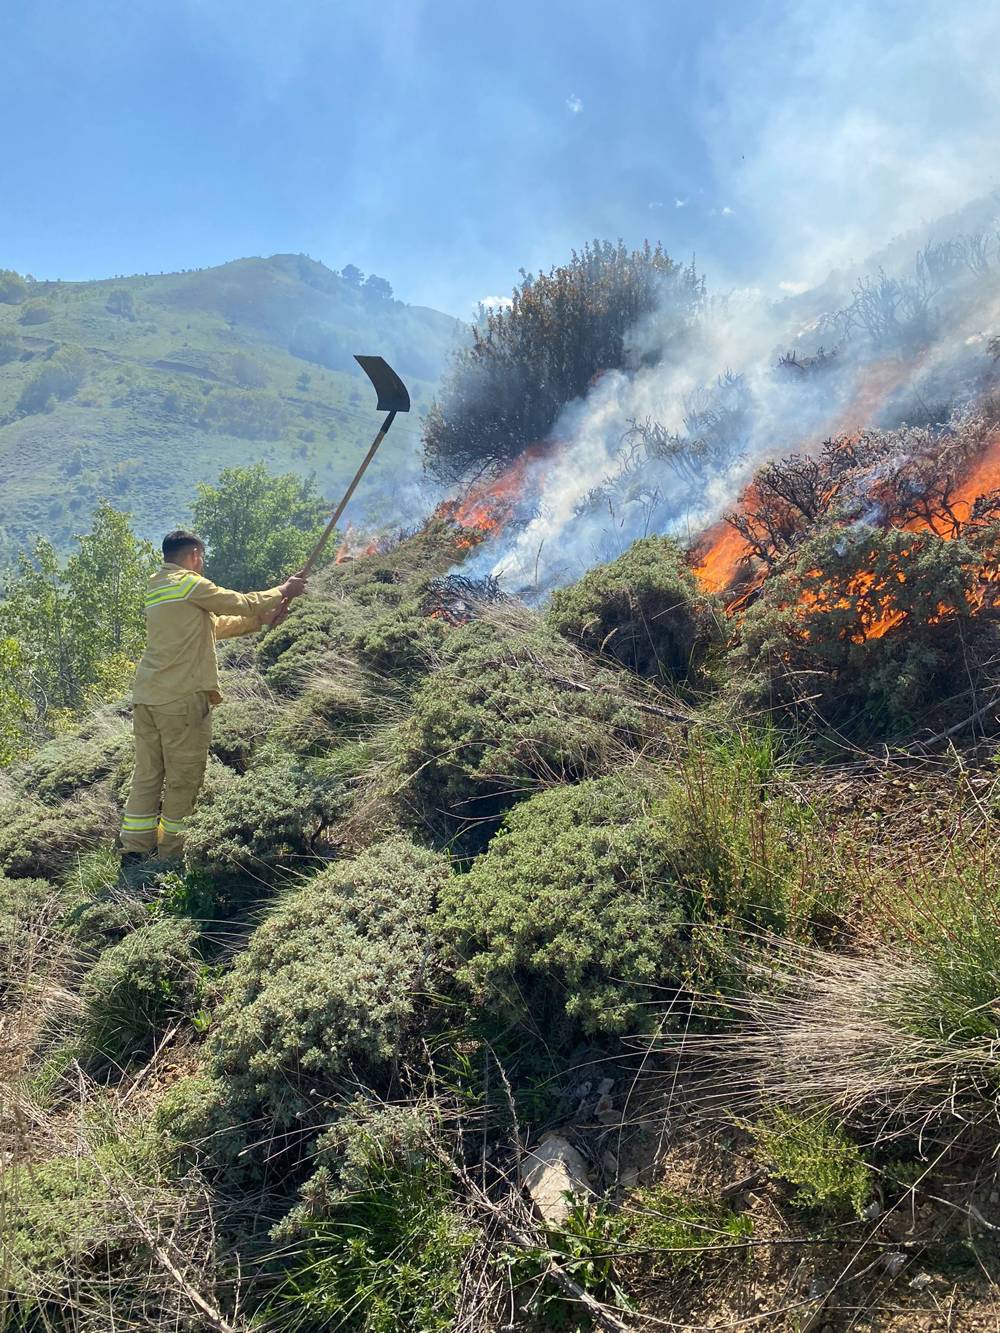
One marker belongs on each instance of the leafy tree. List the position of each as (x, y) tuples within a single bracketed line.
[(13, 288), (352, 275), (79, 628), (105, 580), (247, 372), (376, 288), (59, 377), (258, 528), (15, 703), (527, 362)]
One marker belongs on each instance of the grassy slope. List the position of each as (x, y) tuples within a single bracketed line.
[(139, 419)]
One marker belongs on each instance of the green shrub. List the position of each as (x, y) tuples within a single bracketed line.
[(38, 841), (68, 763), (238, 726), (28, 909), (742, 847), (681, 1233), (388, 633), (334, 707), (644, 609), (329, 984), (262, 820), (138, 987), (813, 1153), (511, 709), (383, 1251), (35, 312), (570, 919), (66, 1232), (97, 911)]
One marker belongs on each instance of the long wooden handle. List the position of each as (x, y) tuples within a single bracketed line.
[(317, 550)]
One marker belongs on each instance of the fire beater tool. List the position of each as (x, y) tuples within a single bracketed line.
[(392, 398)]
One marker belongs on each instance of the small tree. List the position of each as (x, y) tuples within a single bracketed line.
[(79, 628), (258, 528), (13, 288), (527, 362)]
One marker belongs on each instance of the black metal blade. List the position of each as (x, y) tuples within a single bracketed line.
[(392, 395)]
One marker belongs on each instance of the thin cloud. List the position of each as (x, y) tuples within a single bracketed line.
[(574, 104), (728, 212), (680, 203), (654, 204), (793, 288), (496, 302)]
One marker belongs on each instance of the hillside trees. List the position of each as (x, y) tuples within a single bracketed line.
[(13, 288), (59, 378), (527, 362), (79, 626), (258, 528)]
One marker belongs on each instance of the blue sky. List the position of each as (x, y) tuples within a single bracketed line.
[(446, 144)]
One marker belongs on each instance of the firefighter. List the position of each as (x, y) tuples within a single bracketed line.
[(176, 687)]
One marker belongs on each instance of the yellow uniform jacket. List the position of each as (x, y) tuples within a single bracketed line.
[(185, 614)]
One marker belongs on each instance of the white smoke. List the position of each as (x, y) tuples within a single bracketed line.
[(721, 404)]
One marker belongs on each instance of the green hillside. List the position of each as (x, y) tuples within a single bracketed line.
[(137, 388)]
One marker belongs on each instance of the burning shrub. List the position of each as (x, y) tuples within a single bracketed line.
[(644, 609), (327, 986), (870, 629), (570, 919), (511, 709), (262, 819)]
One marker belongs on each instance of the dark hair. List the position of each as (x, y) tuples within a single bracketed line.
[(176, 543)]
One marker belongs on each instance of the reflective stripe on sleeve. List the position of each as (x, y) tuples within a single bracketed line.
[(171, 825), (173, 592)]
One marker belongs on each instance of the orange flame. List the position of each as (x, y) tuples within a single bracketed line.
[(354, 547), (489, 506)]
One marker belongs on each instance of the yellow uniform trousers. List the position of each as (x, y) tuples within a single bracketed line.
[(171, 751)]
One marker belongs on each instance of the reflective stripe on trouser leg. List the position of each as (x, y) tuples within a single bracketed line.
[(185, 740), (142, 807)]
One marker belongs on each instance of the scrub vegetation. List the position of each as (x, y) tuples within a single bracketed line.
[(696, 890)]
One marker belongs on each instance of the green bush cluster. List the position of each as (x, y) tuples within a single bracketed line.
[(329, 986), (377, 1243), (678, 1233), (644, 610), (74, 761), (570, 921), (262, 820), (66, 1231), (27, 910), (814, 1154), (511, 708), (137, 987), (39, 841)]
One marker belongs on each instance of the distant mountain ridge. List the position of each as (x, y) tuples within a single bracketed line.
[(137, 388)]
